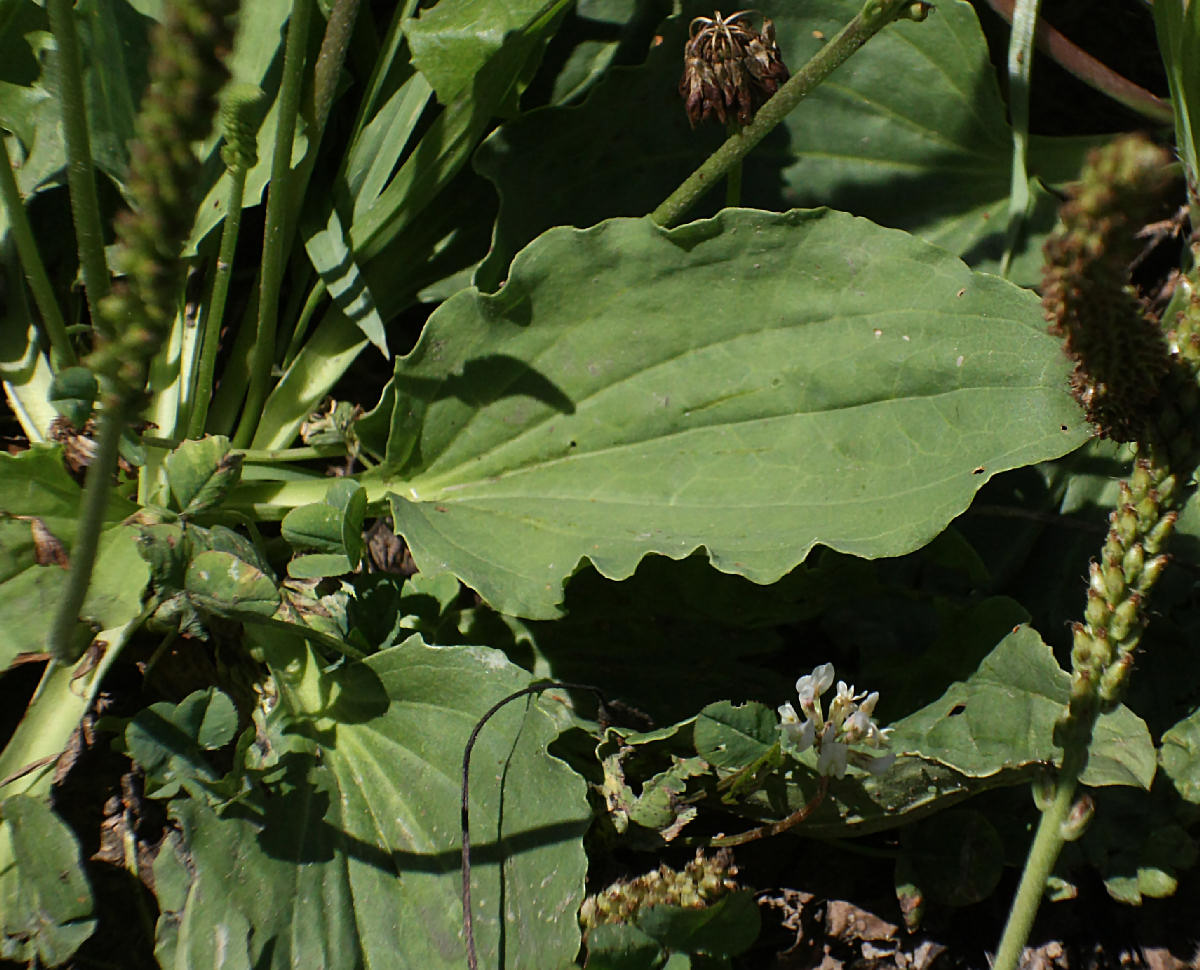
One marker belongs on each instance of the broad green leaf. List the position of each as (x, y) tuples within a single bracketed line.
[(453, 43), (355, 859), (73, 392), (754, 384), (595, 34), (1180, 757), (221, 583), (622, 946), (332, 527), (1003, 717), (910, 132), (46, 906), (726, 928), (733, 735), (39, 508), (168, 740), (201, 473)]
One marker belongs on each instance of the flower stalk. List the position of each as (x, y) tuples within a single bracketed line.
[(240, 154), (275, 234), (872, 18), (1136, 386), (186, 73)]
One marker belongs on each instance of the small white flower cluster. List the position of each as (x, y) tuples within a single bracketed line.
[(849, 723)]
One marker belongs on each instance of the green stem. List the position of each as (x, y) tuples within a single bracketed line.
[(1043, 853), (872, 18), (338, 31), (274, 241), (202, 386), (31, 260), (315, 295), (733, 180), (85, 206), (61, 643), (1020, 68)]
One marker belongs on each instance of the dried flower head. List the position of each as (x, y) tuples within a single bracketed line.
[(729, 68)]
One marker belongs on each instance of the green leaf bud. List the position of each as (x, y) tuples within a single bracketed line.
[(1148, 511), (917, 11), (1161, 532), (1152, 570), (1043, 789), (1082, 649), (1114, 582), (1131, 565), (1125, 618), (1096, 612), (1114, 680), (1077, 821), (1140, 481), (1124, 524)]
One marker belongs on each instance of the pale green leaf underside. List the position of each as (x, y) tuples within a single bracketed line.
[(754, 384)]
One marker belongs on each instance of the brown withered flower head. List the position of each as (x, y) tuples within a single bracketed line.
[(729, 68)]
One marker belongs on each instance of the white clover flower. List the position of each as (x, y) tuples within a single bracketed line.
[(798, 735), (831, 753), (810, 687), (850, 723)]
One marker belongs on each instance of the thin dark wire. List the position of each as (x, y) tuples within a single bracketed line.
[(468, 925)]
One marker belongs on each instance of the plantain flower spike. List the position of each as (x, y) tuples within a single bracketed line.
[(1118, 347), (729, 68)]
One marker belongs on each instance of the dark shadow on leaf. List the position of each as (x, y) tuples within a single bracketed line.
[(291, 811), (486, 380)]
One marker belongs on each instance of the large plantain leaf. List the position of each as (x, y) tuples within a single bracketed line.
[(910, 133), (754, 384), (352, 858)]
